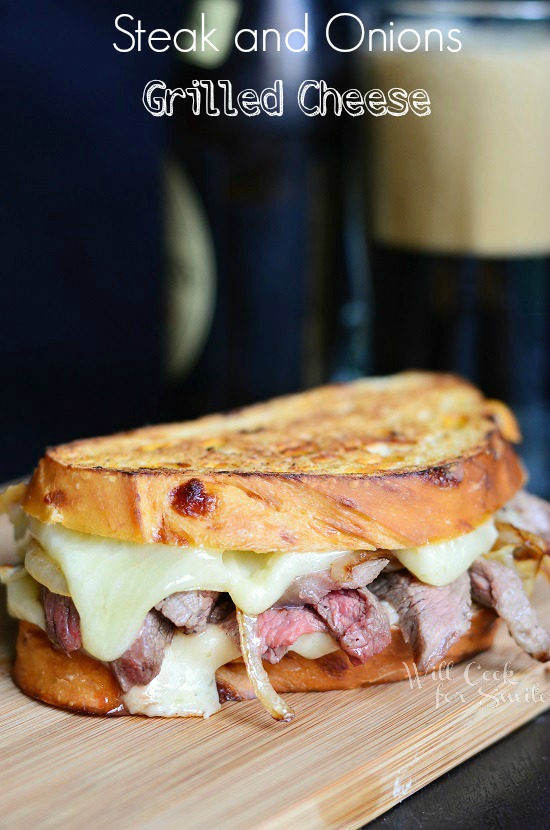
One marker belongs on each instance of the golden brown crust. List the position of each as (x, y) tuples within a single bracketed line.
[(82, 684), (340, 467), (74, 681)]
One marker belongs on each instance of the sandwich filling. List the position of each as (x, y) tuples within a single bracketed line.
[(165, 618)]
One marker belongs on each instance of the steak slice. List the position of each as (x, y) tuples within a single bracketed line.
[(313, 587), (62, 621), (221, 610), (143, 660), (278, 629), (358, 622), (189, 610), (431, 618), (499, 587)]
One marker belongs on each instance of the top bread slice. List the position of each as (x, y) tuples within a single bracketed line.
[(389, 462)]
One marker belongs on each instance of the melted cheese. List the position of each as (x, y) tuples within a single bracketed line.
[(314, 645), (24, 601), (393, 616), (186, 684), (445, 562), (114, 584)]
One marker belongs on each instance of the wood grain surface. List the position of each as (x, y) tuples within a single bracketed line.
[(347, 757)]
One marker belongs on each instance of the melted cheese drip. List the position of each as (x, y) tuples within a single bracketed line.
[(445, 562), (186, 684)]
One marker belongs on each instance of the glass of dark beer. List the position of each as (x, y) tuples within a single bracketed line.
[(459, 203)]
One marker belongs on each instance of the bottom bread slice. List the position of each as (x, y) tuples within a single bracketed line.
[(82, 684)]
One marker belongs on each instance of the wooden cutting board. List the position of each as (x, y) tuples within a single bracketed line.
[(347, 757)]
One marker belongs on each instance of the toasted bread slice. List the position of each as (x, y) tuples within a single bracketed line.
[(378, 463)]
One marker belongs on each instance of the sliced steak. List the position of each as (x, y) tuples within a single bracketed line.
[(358, 622), (354, 617), (189, 610), (143, 660), (62, 621), (312, 588), (278, 629), (309, 589), (231, 628), (528, 512), (221, 610), (499, 587), (431, 618)]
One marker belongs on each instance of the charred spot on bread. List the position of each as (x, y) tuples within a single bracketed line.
[(57, 498), (446, 476), (192, 499), (227, 693)]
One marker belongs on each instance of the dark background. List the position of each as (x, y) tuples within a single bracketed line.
[(80, 226), (83, 270)]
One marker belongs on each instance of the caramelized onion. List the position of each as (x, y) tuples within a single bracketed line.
[(521, 550), (250, 648), (528, 545), (45, 570), (342, 568)]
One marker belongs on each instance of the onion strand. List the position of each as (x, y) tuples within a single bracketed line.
[(250, 648)]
